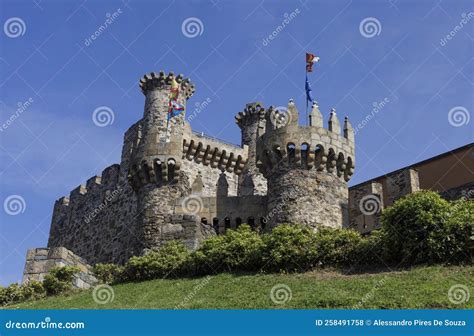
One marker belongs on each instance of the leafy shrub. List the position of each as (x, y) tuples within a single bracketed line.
[(107, 273), (457, 239), (169, 259), (414, 226), (290, 248), (11, 294), (242, 250), (17, 293), (337, 247), (59, 279), (208, 258), (238, 249), (33, 290), (371, 250)]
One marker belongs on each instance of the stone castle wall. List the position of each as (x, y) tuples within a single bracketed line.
[(367, 200), (41, 260), (98, 221)]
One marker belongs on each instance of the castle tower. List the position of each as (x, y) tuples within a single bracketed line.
[(307, 168), (154, 168), (252, 123)]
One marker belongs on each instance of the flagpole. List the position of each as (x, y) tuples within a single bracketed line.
[(307, 119)]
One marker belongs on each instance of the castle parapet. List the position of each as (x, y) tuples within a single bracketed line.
[(307, 147), (161, 80), (307, 167)]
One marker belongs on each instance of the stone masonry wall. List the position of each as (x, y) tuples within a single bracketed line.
[(41, 260), (97, 221), (308, 197), (365, 206), (400, 183)]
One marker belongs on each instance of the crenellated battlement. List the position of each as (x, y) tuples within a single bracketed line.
[(253, 112), (154, 81), (107, 180), (287, 144)]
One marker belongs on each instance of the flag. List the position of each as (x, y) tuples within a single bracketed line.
[(310, 60), (309, 95), (174, 109), (174, 91)]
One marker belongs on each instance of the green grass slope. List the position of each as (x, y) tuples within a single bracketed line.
[(423, 287)]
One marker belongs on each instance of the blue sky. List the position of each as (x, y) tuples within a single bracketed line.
[(51, 145)]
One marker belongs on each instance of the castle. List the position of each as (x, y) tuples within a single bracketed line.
[(175, 184)]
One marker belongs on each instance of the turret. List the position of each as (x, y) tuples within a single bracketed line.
[(307, 168), (252, 124), (154, 168), (157, 157)]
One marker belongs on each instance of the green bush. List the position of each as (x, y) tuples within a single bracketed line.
[(338, 247), (414, 228), (371, 251), (33, 290), (208, 258), (457, 239), (17, 293), (11, 294), (168, 261), (107, 273), (237, 250), (290, 248), (242, 250), (59, 279)]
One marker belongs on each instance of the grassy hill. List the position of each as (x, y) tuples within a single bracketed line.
[(423, 287)]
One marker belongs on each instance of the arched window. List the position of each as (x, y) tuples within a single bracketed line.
[(215, 224), (291, 152), (304, 153), (204, 220), (251, 222), (227, 223), (238, 221)]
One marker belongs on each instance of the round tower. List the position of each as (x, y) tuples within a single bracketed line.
[(154, 169), (307, 168), (252, 124)]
